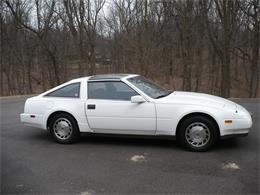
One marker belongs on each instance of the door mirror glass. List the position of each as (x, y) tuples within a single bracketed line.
[(137, 99)]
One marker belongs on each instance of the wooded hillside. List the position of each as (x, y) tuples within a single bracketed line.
[(207, 46)]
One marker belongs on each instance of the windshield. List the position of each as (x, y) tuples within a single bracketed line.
[(148, 87)]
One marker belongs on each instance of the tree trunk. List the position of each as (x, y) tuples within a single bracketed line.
[(30, 90), (1, 54), (92, 58), (225, 72), (198, 69), (81, 50)]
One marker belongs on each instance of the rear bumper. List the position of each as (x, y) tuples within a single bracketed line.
[(33, 120)]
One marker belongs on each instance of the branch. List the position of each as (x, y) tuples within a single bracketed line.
[(19, 21), (244, 53)]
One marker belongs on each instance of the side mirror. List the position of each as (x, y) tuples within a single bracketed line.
[(137, 99)]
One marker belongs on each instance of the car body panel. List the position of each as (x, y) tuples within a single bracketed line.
[(121, 117)]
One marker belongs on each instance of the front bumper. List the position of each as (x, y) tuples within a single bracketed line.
[(238, 127), (234, 135)]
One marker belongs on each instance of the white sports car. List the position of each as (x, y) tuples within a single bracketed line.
[(130, 104)]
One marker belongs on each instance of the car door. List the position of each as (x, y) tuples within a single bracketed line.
[(109, 109)]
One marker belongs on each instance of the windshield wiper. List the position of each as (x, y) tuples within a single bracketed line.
[(164, 95)]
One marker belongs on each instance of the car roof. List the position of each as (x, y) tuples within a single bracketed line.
[(104, 77), (109, 76)]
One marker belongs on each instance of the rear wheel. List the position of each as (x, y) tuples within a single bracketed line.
[(198, 133), (64, 128)]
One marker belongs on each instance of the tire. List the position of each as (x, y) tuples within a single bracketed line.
[(198, 133), (64, 128)]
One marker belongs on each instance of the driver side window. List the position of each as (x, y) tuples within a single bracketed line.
[(111, 90)]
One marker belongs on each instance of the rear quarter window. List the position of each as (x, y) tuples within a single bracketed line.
[(69, 91)]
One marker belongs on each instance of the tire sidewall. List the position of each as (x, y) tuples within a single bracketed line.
[(206, 121), (75, 130)]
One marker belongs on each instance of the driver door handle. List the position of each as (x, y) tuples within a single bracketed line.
[(91, 106)]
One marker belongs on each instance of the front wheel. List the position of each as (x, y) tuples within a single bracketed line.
[(64, 128), (198, 133)]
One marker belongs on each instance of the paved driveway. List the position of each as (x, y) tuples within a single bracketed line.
[(32, 163)]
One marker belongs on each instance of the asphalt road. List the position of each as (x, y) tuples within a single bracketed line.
[(32, 163)]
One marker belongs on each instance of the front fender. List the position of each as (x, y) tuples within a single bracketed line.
[(169, 116)]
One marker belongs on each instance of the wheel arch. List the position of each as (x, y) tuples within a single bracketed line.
[(55, 113), (194, 114)]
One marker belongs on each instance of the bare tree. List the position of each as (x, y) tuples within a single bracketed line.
[(251, 9), (44, 23), (226, 14)]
